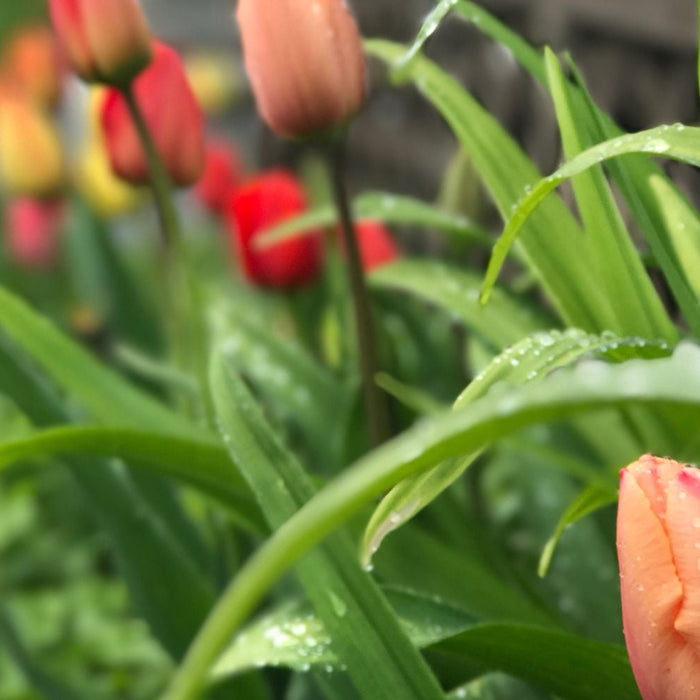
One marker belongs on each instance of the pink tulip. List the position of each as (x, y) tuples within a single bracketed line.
[(658, 544), (105, 41), (32, 230), (305, 62)]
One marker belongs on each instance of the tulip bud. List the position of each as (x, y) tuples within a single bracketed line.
[(32, 229), (105, 41), (31, 159), (377, 247), (658, 544), (222, 174), (261, 204), (305, 62), (173, 118), (31, 64), (215, 80)]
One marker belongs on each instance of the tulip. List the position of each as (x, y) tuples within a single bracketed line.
[(215, 80), (172, 115), (658, 543), (377, 247), (305, 63), (31, 158), (105, 41), (32, 229), (31, 64), (261, 204), (222, 174)]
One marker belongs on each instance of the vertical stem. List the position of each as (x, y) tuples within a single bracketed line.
[(375, 401), (182, 291)]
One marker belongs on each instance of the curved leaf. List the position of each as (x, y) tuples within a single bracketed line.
[(676, 142), (206, 467), (388, 208)]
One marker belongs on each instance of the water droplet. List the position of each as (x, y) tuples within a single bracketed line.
[(340, 607)]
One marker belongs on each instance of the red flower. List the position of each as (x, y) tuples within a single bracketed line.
[(105, 41), (377, 246), (262, 203), (222, 173), (32, 231), (172, 115), (305, 63)]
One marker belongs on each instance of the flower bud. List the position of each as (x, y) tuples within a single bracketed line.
[(31, 159), (305, 62), (215, 80), (265, 202), (32, 229), (377, 247), (31, 64), (105, 41), (658, 544), (173, 118), (222, 174)]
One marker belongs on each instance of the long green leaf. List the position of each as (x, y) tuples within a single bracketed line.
[(206, 467), (676, 142), (365, 632), (506, 171), (630, 293), (673, 381), (388, 208)]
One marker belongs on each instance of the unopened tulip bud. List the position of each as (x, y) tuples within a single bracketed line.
[(31, 64), (215, 80), (259, 205), (305, 63), (31, 158), (172, 115), (105, 41), (658, 544), (32, 229), (376, 244), (222, 175)]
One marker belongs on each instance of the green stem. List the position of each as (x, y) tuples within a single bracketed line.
[(375, 400), (182, 293)]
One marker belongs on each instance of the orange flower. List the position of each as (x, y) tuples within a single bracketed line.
[(305, 62), (31, 159), (658, 544), (31, 63), (172, 115), (105, 41)]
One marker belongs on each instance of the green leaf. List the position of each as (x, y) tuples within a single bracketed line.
[(630, 293), (457, 292), (568, 666), (529, 360), (592, 385), (293, 637), (676, 142), (591, 500), (506, 171), (203, 466), (387, 208), (366, 635)]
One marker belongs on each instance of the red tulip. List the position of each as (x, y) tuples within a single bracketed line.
[(222, 173), (262, 203), (32, 231), (377, 247), (31, 64), (105, 41), (658, 544), (305, 62), (172, 115)]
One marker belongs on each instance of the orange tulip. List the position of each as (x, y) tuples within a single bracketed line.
[(305, 62), (172, 115), (31, 159), (31, 63), (658, 544), (105, 41)]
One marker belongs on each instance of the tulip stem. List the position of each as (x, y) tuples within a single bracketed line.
[(182, 293), (375, 400)]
